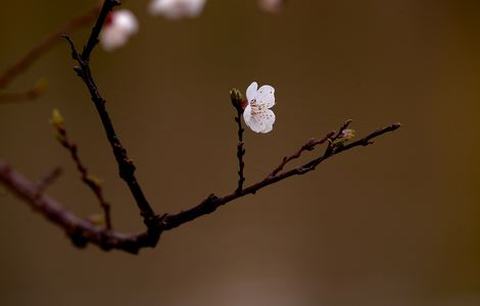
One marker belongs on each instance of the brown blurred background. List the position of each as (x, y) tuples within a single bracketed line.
[(397, 223)]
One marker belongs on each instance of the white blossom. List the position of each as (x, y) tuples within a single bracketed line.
[(118, 28), (175, 9), (257, 113), (271, 6)]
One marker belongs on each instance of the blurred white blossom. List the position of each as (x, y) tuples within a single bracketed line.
[(257, 113), (271, 6), (118, 28), (175, 9)]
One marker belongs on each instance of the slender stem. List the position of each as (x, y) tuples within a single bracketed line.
[(86, 177), (237, 104), (308, 146)]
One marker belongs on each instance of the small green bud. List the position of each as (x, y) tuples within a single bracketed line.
[(95, 180), (97, 219), (57, 118), (236, 96)]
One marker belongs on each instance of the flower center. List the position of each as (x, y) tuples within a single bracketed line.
[(256, 108)]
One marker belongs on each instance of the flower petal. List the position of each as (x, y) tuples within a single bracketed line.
[(125, 21), (266, 96), (268, 118), (247, 113), (261, 122), (256, 125), (175, 9), (116, 34), (271, 6), (252, 91), (112, 39), (252, 121), (196, 7), (267, 129)]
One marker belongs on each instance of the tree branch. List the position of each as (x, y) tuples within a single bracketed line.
[(210, 204), (107, 7), (82, 232), (79, 230), (125, 164)]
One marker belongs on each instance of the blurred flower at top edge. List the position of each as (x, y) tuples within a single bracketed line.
[(119, 26), (176, 9)]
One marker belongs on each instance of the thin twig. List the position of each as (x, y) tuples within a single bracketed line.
[(93, 40), (308, 146), (87, 178), (332, 140)]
